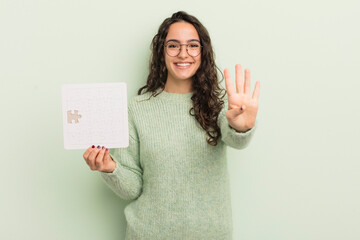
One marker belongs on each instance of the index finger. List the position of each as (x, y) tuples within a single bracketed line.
[(228, 82), (87, 152)]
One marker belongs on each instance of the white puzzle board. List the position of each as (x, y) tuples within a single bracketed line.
[(95, 114)]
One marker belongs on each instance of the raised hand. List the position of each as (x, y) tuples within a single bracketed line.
[(243, 108)]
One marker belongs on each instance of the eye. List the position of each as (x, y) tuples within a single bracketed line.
[(172, 45), (194, 45)]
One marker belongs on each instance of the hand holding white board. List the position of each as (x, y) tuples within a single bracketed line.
[(95, 114)]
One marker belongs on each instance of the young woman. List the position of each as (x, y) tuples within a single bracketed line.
[(175, 169)]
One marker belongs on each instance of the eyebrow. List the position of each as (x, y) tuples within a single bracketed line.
[(175, 40)]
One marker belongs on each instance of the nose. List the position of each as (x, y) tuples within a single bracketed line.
[(183, 52)]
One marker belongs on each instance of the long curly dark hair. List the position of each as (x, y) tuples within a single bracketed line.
[(206, 99)]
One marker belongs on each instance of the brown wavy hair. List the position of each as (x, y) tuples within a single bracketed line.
[(206, 99)]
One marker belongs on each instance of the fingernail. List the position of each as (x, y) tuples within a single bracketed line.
[(103, 148), (98, 147), (93, 146), (107, 149)]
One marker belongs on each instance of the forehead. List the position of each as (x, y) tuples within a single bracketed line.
[(182, 31)]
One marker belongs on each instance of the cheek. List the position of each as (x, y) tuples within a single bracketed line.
[(167, 62)]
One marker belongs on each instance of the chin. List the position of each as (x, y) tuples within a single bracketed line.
[(184, 76)]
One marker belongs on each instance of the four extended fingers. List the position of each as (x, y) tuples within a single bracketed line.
[(241, 87)]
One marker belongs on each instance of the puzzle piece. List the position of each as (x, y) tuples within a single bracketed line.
[(73, 116)]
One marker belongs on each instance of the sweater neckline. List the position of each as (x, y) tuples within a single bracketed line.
[(178, 97)]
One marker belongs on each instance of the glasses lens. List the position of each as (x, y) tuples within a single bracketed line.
[(172, 48), (194, 49)]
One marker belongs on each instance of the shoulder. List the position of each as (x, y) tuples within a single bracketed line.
[(140, 100)]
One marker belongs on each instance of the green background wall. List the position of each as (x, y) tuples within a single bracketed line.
[(298, 179)]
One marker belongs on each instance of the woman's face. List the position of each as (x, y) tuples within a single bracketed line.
[(183, 66)]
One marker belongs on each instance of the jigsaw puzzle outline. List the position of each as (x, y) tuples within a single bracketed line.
[(73, 116)]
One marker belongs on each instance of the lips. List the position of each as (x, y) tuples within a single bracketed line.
[(182, 64)]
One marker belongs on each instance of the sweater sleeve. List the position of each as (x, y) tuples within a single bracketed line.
[(229, 135), (126, 180)]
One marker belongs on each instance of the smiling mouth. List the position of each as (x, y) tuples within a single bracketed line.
[(182, 65)]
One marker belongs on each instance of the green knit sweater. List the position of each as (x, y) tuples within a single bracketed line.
[(178, 183)]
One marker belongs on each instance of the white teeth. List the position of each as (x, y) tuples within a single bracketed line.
[(183, 64)]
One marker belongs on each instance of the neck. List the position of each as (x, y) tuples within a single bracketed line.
[(184, 86)]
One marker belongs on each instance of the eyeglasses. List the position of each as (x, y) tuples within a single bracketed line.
[(173, 48)]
